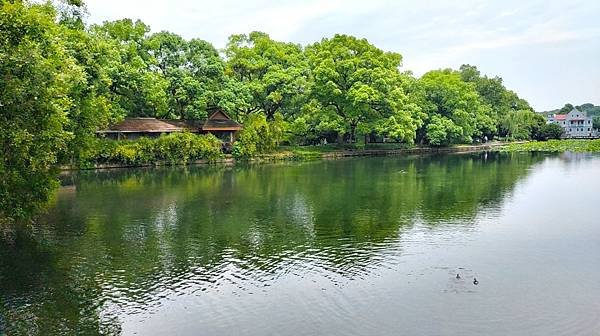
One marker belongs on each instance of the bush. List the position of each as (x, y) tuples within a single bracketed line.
[(172, 148), (442, 131), (259, 136), (549, 131)]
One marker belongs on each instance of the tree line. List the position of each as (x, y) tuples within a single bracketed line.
[(63, 80)]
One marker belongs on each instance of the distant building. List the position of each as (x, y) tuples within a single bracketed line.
[(218, 123), (575, 124)]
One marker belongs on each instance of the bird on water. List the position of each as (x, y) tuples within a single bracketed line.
[(475, 282), (457, 276)]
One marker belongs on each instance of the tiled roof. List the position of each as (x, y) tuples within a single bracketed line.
[(221, 124), (149, 125), (190, 125), (218, 121), (560, 117)]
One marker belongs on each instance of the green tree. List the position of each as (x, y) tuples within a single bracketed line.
[(359, 84), (38, 78), (442, 131), (459, 113), (194, 71), (93, 106), (550, 131), (495, 95), (136, 88), (596, 120), (522, 125), (566, 109), (273, 74), (259, 136)]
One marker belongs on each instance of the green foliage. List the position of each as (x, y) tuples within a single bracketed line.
[(555, 146), (566, 109), (522, 125), (454, 108), (498, 100), (172, 148), (184, 147), (92, 107), (549, 131), (441, 131), (590, 110), (274, 74), (136, 89), (38, 75), (259, 136), (596, 121), (194, 72), (357, 84)]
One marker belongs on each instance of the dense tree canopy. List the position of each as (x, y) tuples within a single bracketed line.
[(38, 77), (192, 69), (136, 89), (456, 111), (360, 85), (273, 73)]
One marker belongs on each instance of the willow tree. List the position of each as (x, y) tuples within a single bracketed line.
[(360, 84), (495, 95)]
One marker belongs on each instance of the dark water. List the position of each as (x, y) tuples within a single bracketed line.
[(352, 247)]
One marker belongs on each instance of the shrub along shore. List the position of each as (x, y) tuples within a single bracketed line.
[(185, 148)]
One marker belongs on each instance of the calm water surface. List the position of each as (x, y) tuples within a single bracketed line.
[(351, 247)]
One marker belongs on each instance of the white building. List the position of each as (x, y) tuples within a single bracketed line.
[(576, 124)]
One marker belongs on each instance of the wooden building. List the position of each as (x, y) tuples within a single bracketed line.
[(218, 124), (222, 126)]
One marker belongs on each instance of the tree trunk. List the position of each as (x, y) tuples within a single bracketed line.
[(270, 115), (352, 132)]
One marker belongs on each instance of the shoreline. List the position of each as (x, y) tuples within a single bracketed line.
[(292, 155)]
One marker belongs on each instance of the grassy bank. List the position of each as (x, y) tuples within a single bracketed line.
[(303, 153), (555, 146), (318, 152), (189, 149)]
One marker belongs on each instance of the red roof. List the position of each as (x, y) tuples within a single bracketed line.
[(560, 117)]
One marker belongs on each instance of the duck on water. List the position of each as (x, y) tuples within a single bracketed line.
[(475, 281)]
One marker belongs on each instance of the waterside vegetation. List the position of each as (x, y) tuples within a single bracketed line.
[(555, 146), (63, 80)]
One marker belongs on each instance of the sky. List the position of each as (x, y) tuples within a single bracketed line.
[(546, 51)]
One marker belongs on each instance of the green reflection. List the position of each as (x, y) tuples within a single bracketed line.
[(116, 241)]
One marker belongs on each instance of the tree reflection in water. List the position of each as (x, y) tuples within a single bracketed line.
[(121, 240)]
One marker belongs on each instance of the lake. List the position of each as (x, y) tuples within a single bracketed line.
[(364, 246)]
